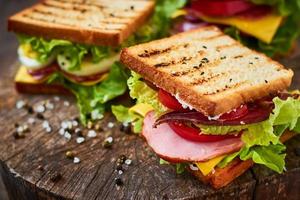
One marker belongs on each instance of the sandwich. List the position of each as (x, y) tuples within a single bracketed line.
[(74, 46), (267, 26), (210, 105)]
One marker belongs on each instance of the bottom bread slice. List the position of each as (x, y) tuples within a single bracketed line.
[(41, 88), (221, 177)]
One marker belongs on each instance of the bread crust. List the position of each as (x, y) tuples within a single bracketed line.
[(212, 104), (41, 88), (77, 33)]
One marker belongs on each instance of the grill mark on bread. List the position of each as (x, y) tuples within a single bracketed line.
[(56, 21), (205, 79), (102, 8), (78, 8), (201, 67), (226, 46), (79, 17), (149, 53), (182, 60), (238, 56), (154, 52), (73, 7), (80, 4)]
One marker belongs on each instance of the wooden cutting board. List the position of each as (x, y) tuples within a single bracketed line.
[(36, 166)]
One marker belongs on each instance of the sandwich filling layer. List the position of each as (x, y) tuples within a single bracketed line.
[(183, 136)]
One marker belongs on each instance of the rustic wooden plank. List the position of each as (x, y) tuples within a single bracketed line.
[(97, 166)]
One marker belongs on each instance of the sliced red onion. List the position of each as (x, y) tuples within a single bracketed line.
[(41, 73), (186, 26), (254, 115)]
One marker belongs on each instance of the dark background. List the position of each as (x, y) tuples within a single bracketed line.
[(8, 45)]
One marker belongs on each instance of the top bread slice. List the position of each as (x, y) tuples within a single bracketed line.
[(207, 70), (97, 22)]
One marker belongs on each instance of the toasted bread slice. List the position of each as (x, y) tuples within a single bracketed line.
[(41, 88), (98, 22), (224, 176), (207, 70)]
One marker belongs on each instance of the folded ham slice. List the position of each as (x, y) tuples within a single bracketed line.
[(171, 147)]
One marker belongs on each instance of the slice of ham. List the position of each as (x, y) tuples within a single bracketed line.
[(171, 147)]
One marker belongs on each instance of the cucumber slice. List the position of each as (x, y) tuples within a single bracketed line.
[(87, 66)]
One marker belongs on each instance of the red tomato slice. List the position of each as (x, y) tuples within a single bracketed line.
[(193, 134), (235, 114), (221, 7), (168, 100)]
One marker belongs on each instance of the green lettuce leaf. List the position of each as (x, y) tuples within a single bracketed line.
[(180, 168), (262, 140), (123, 115), (92, 99), (159, 24), (271, 156), (284, 7), (140, 91), (284, 116), (76, 52)]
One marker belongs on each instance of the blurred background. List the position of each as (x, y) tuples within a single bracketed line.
[(8, 45)]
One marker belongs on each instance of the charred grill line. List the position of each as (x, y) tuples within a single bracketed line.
[(218, 48), (77, 7), (204, 62), (86, 3), (64, 24), (79, 17), (173, 62), (239, 56), (205, 79), (150, 53), (74, 7), (82, 3)]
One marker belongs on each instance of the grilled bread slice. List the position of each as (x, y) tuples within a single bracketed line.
[(98, 22), (207, 70)]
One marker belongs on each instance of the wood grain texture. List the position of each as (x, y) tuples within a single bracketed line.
[(93, 178)]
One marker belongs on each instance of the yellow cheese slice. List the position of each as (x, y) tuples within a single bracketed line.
[(178, 13), (208, 166), (22, 76), (141, 109), (263, 28)]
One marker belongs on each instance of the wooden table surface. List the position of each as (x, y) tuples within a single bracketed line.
[(30, 166)]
